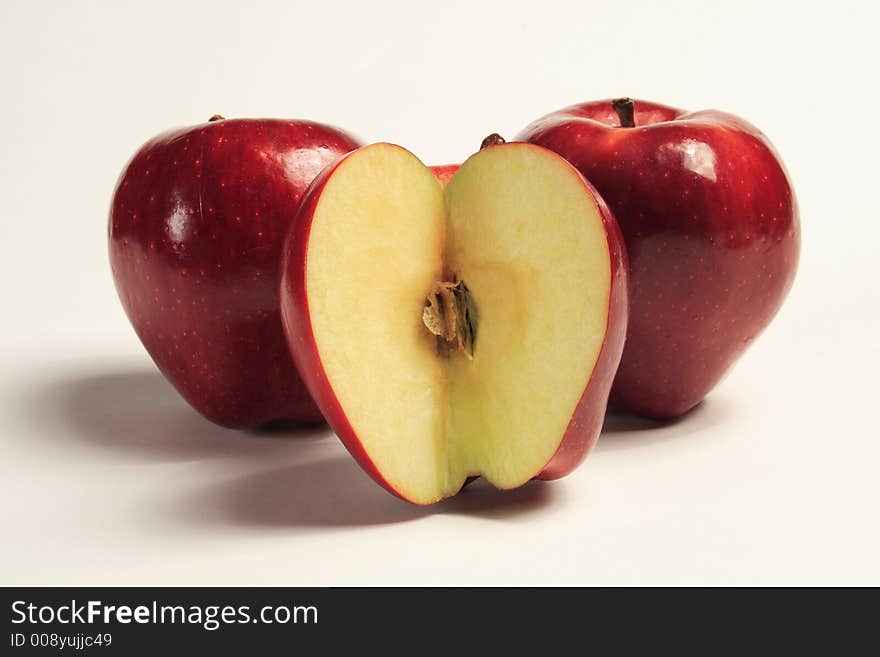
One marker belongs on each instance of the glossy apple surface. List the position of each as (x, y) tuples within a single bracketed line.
[(195, 232), (458, 331), (712, 231)]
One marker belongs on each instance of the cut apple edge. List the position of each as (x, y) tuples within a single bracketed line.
[(450, 333)]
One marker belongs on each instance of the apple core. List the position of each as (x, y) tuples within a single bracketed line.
[(451, 315)]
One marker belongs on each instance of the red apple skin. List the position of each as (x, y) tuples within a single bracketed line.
[(588, 416), (196, 226), (444, 172), (712, 231)]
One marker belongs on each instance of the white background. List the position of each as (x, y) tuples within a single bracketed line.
[(106, 476)]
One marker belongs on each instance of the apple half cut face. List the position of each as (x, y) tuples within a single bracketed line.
[(466, 331)]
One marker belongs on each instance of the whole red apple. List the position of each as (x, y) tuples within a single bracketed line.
[(711, 226), (196, 227)]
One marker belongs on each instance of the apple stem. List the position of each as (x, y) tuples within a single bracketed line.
[(625, 109), (451, 316), (216, 117), (492, 140)]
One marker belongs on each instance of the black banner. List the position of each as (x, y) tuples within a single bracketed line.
[(150, 621)]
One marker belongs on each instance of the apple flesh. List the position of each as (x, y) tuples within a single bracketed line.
[(454, 332), (195, 232), (712, 232)]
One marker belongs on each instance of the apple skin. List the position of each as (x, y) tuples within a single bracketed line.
[(444, 172), (587, 419), (196, 226), (712, 232)]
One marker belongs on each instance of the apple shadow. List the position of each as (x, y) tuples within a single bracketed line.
[(309, 482), (623, 431), (136, 414), (334, 492)]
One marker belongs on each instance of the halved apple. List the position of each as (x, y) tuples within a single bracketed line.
[(453, 332)]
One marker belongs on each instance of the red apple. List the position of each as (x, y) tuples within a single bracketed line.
[(444, 172), (450, 332), (712, 231), (196, 227)]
